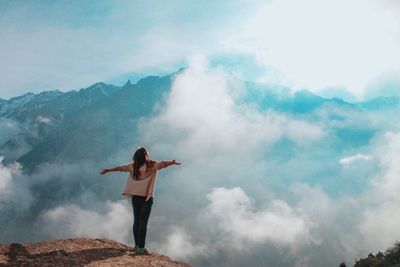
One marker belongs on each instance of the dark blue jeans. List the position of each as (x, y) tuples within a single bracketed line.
[(141, 214)]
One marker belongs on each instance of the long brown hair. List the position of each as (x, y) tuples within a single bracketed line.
[(139, 159)]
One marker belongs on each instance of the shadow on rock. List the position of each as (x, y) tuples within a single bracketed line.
[(19, 256)]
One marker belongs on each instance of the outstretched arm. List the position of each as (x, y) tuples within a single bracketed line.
[(122, 168), (165, 164)]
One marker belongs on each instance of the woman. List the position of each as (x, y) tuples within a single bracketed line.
[(140, 187)]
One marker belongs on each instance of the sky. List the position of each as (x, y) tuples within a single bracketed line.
[(341, 48)]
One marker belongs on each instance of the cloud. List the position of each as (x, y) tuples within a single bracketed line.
[(388, 151), (203, 116), (335, 220), (380, 225), (179, 244), (43, 120), (309, 47), (70, 220), (225, 143), (8, 129), (299, 201), (351, 159), (7, 177), (15, 193), (386, 84), (380, 218), (235, 216), (63, 200), (18, 138)]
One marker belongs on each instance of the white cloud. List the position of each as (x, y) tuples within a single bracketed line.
[(351, 159), (235, 215), (43, 120), (202, 116), (15, 193), (180, 245), (313, 48), (7, 177), (380, 225), (71, 220), (381, 217), (388, 153), (335, 222)]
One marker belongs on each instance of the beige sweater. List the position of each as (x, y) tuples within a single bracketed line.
[(145, 183)]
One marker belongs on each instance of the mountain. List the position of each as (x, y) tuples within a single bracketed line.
[(2, 101), (80, 252), (281, 99), (103, 118), (72, 126), (381, 103)]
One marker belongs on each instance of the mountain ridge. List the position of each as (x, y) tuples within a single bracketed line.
[(53, 122), (273, 91)]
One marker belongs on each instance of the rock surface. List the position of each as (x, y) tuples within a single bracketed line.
[(79, 252)]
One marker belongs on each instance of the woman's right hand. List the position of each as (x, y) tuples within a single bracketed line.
[(103, 171), (176, 162)]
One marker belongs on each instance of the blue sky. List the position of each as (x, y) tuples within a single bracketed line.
[(348, 46)]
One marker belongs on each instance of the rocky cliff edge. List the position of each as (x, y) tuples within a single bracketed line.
[(80, 252)]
